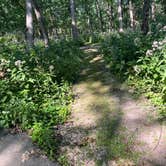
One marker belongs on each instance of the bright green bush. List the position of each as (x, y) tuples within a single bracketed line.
[(45, 138)]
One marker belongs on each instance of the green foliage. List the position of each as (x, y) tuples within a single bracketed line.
[(63, 160), (63, 56), (150, 71), (121, 50), (45, 139), (36, 86), (130, 57)]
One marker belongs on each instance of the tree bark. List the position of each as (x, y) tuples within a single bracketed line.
[(131, 14), (120, 16), (145, 21), (73, 19), (40, 20), (110, 15), (100, 16), (29, 24), (153, 10)]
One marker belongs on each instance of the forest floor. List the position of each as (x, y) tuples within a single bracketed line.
[(108, 126)]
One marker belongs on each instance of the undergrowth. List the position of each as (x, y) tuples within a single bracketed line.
[(141, 62), (36, 87)]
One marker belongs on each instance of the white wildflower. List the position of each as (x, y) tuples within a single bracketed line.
[(154, 49), (8, 70), (160, 48), (51, 67), (163, 29), (160, 43), (155, 44), (149, 52), (4, 62), (18, 63)]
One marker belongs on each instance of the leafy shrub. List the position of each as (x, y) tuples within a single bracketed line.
[(150, 72), (141, 62), (18, 111), (36, 86), (44, 137), (64, 59), (121, 50)]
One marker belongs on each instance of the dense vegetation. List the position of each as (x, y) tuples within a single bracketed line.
[(140, 61), (36, 86), (40, 59)]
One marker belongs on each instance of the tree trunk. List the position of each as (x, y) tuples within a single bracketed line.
[(131, 14), (120, 16), (100, 15), (153, 8), (73, 19), (110, 15), (145, 21), (29, 24), (41, 22), (163, 6)]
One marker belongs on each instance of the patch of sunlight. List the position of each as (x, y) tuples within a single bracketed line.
[(91, 50), (97, 58), (95, 84), (99, 89)]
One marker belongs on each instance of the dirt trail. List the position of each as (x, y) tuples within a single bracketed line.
[(108, 126)]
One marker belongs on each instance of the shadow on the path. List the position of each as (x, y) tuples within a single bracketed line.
[(103, 98)]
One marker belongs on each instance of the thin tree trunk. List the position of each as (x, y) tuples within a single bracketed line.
[(100, 15), (29, 24), (53, 28), (89, 21), (153, 8), (41, 22), (73, 19), (90, 25), (110, 16), (145, 21), (120, 16), (131, 14), (97, 13)]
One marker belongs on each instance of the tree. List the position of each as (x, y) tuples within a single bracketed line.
[(110, 15), (29, 24), (153, 10), (145, 20), (99, 14), (40, 20), (131, 14), (73, 19), (120, 16)]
